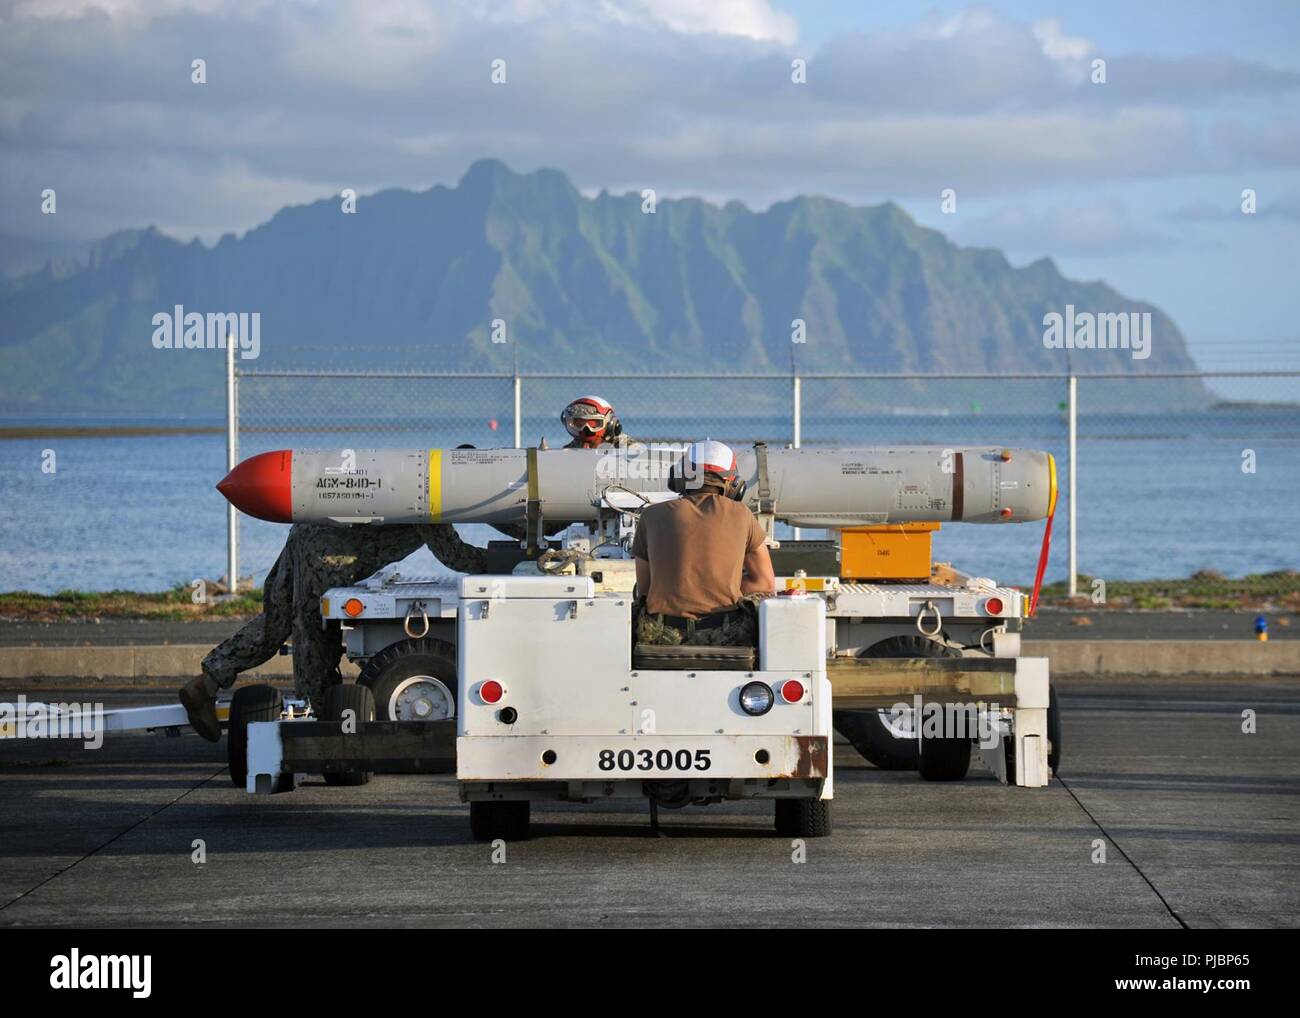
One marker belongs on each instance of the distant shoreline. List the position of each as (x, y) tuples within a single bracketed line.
[(148, 430), (106, 431)]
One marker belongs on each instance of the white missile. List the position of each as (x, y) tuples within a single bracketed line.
[(833, 487)]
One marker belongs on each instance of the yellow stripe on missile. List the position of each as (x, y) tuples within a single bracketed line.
[(435, 485), (1051, 483)]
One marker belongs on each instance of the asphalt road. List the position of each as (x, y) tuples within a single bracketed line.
[(1200, 825), (1049, 625)]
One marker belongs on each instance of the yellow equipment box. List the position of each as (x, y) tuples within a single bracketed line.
[(890, 551)]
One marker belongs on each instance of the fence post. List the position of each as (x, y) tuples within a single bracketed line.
[(1074, 436), (798, 411), (796, 395), (232, 458), (519, 424)]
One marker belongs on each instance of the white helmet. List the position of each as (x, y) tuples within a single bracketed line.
[(703, 458)]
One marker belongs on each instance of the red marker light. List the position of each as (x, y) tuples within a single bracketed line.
[(1006, 513), (792, 691), (994, 606), (491, 691), (262, 486)]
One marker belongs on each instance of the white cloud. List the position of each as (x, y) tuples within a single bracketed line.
[(972, 21), (143, 9), (304, 99), (1102, 228), (375, 44), (1059, 46), (748, 19)]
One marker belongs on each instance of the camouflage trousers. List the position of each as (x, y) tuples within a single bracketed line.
[(739, 628), (315, 558)]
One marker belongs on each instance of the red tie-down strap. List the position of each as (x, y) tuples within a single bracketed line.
[(1042, 559)]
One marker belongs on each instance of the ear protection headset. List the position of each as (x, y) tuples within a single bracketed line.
[(707, 458)]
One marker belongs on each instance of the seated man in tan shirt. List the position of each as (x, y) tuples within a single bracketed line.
[(702, 559)]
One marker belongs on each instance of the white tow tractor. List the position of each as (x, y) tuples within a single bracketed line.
[(557, 703)]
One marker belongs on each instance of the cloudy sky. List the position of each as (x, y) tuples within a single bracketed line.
[(1137, 181)]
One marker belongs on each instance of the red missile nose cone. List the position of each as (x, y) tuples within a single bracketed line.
[(262, 486)]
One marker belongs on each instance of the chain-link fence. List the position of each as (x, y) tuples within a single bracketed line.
[(1177, 475)]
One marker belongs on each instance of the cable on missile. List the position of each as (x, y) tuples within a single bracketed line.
[(1046, 549)]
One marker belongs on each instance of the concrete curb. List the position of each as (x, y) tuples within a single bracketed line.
[(1167, 657), (165, 665), (132, 665)]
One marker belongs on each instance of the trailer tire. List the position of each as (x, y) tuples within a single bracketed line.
[(868, 733), (340, 698), (393, 677), (944, 759), (1053, 732), (508, 820), (250, 703), (803, 818), (868, 730)]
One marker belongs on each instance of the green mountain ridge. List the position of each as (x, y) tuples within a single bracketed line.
[(583, 284)]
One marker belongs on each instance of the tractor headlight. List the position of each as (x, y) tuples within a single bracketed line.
[(756, 698)]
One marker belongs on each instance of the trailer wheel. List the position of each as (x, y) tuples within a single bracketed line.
[(508, 821), (1053, 740), (874, 736), (944, 759), (413, 680), (874, 733), (340, 698), (1053, 732), (250, 703), (803, 818)]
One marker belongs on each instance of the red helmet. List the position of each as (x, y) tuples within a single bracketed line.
[(587, 417)]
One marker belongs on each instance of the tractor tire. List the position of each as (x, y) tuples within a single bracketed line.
[(413, 680), (508, 821), (869, 730), (342, 698), (250, 703), (803, 818)]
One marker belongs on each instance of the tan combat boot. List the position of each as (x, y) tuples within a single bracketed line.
[(201, 708)]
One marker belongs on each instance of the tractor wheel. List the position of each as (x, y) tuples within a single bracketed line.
[(359, 700), (803, 818), (250, 703), (413, 680), (508, 821)]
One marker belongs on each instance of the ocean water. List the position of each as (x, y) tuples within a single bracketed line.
[(1159, 495)]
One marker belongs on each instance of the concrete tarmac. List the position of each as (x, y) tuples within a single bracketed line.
[(1198, 824)]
